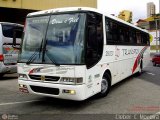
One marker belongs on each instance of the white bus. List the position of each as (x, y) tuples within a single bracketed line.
[(8, 55), (75, 53)]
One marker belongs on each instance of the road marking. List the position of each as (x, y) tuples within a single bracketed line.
[(150, 73), (149, 66), (12, 103)]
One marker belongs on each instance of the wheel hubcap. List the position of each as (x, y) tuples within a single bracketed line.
[(104, 86)]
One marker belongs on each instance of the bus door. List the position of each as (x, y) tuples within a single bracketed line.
[(94, 51)]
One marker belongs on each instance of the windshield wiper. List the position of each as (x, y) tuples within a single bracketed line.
[(32, 58), (56, 64), (39, 50)]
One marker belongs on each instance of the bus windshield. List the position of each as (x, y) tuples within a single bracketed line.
[(57, 39)]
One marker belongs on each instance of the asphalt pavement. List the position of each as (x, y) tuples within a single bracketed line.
[(134, 95)]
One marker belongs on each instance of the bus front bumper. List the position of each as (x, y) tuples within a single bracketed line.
[(70, 92)]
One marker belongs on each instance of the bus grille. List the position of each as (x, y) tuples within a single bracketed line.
[(47, 78), (46, 90)]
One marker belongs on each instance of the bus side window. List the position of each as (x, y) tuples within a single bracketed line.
[(109, 36), (115, 32), (138, 36), (126, 35), (148, 39), (145, 38), (132, 37), (112, 32), (121, 35)]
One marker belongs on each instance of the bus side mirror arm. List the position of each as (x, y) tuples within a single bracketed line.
[(14, 38), (15, 44)]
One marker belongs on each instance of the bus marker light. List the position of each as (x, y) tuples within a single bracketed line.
[(72, 92), (23, 88)]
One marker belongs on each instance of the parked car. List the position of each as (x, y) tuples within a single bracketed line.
[(156, 59)]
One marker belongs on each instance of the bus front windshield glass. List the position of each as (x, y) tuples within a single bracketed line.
[(32, 44), (56, 39)]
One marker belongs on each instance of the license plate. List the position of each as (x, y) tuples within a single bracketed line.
[(10, 58)]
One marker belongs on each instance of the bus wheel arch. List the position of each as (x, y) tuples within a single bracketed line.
[(140, 67), (141, 64), (107, 72), (105, 84)]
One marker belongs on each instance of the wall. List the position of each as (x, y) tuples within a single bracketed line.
[(46, 4)]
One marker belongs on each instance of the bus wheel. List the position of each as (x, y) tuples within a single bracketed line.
[(105, 85), (1, 75)]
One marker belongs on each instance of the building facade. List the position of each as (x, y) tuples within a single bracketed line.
[(16, 10), (46, 4), (152, 24), (125, 15), (151, 9)]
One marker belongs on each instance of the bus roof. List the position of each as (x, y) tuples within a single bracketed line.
[(9, 23), (67, 9)]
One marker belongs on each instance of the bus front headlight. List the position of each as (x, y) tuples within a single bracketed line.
[(67, 80), (22, 76)]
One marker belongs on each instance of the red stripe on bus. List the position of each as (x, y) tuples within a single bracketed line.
[(137, 61)]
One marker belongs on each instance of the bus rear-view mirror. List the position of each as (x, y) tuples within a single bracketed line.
[(17, 38)]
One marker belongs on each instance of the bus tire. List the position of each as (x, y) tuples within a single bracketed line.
[(105, 85), (1, 75), (154, 64)]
